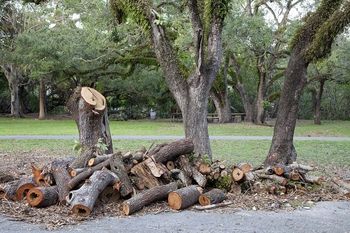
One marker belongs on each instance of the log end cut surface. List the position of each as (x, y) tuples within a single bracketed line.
[(174, 201), (81, 210), (35, 197), (23, 190), (237, 174), (203, 200)]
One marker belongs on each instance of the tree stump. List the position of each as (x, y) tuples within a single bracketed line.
[(83, 199), (89, 110), (214, 196), (42, 196), (185, 197), (147, 197)]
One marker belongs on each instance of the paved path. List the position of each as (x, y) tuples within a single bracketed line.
[(332, 217), (170, 137)]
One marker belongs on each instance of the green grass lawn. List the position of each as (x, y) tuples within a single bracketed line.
[(10, 126), (323, 153)]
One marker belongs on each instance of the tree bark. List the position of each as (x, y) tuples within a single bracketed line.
[(170, 151), (147, 197), (59, 170), (185, 197), (260, 98), (317, 110), (42, 100), (222, 106), (118, 168), (14, 76), (42, 196), (214, 196)]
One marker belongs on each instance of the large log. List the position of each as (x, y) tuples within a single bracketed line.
[(147, 197), (88, 108), (185, 197), (24, 185), (145, 175), (172, 150), (42, 196), (214, 196), (117, 166), (83, 200)]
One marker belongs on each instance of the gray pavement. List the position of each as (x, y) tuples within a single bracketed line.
[(333, 217), (168, 137)]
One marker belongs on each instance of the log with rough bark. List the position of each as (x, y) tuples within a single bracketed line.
[(76, 171), (184, 197), (98, 159), (59, 170), (24, 185), (278, 179), (312, 179), (200, 179), (300, 167), (214, 196), (42, 196), (180, 175), (6, 177), (109, 194), (117, 167), (83, 199), (172, 150), (8, 190), (147, 197), (88, 108)]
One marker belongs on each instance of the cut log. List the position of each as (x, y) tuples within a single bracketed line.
[(117, 167), (341, 183), (142, 171), (245, 167), (86, 174), (204, 168), (98, 159), (76, 171), (173, 150), (200, 179), (180, 175), (224, 173), (249, 176), (279, 169), (312, 179), (59, 170), (38, 177), (147, 197), (293, 175), (83, 199), (278, 179), (42, 196), (214, 196), (157, 169), (127, 155), (185, 197), (170, 165), (300, 167), (184, 164), (237, 174), (24, 185), (8, 190), (138, 156)]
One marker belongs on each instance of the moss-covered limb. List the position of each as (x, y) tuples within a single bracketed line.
[(322, 44), (313, 22)]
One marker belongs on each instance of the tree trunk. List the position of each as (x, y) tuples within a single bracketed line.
[(222, 106), (89, 110), (247, 104), (317, 110), (14, 76), (282, 150), (260, 98), (42, 100)]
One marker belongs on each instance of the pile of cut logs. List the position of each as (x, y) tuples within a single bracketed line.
[(166, 171)]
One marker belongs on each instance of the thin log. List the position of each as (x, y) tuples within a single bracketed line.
[(312, 179), (117, 167), (42, 196), (341, 183), (204, 168), (98, 159), (147, 197), (213, 206), (83, 199), (303, 168), (24, 185), (200, 179), (185, 197), (278, 179), (173, 150), (214, 196), (76, 171)]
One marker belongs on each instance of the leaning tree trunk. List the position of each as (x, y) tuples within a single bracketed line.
[(42, 100), (317, 110), (89, 110), (248, 106), (222, 106), (282, 150), (13, 77)]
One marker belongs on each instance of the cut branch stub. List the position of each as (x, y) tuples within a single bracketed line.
[(93, 98)]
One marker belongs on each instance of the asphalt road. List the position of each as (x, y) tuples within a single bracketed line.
[(169, 137), (332, 217)]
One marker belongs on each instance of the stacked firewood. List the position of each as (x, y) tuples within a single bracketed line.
[(146, 176)]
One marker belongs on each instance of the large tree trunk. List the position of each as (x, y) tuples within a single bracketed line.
[(247, 104), (222, 106), (89, 110), (260, 98), (282, 150), (42, 100), (318, 99), (14, 76)]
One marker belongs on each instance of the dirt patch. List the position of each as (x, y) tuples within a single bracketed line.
[(57, 216)]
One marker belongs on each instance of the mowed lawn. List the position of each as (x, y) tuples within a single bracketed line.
[(318, 152), (10, 126)]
